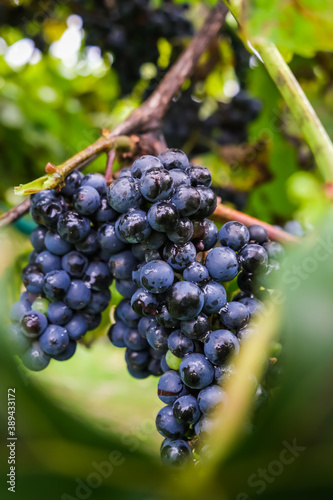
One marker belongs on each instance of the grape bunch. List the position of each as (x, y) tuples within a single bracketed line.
[(176, 318), (130, 30), (67, 279), (227, 125)]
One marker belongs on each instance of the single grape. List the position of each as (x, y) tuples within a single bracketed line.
[(77, 327), (33, 324), (75, 264), (156, 276), (156, 185), (73, 227), (86, 200), (184, 300), (208, 202), (47, 262), (234, 315), (37, 238), (170, 387), (133, 226), (40, 305), (137, 360), (182, 232), (144, 324), (54, 340), (196, 272), (274, 250), (93, 320), (179, 344), (253, 257), (18, 342), (176, 453), (157, 337), (108, 239), (196, 371), (144, 164), (168, 426), (254, 306), (179, 177), (222, 264), (220, 346), (172, 361), (199, 176), (99, 301), (97, 276), (105, 213), (164, 319), (258, 234), (144, 303), (187, 200), (34, 282), (59, 313), (234, 235), (56, 245), (215, 297), (126, 314), (122, 265), (126, 288), (116, 334), (78, 295), (19, 309), (124, 194), (35, 358), (162, 216), (179, 256), (133, 340), (56, 284), (90, 245), (72, 183), (186, 410), (197, 328), (174, 158), (211, 398)]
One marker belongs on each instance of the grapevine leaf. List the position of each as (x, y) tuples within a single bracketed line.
[(303, 27)]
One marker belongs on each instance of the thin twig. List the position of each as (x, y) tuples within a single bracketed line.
[(15, 213), (224, 213), (111, 156)]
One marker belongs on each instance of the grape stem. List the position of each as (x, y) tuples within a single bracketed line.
[(111, 156), (142, 120), (304, 114), (224, 213)]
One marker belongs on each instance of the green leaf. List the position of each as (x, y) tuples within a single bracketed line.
[(302, 27)]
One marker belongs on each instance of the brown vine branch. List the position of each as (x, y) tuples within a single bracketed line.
[(224, 213), (15, 213)]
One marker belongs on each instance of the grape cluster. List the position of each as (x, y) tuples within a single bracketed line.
[(67, 279), (130, 29), (176, 318), (227, 125)]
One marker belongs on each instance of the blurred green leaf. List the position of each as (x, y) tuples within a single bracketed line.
[(302, 27)]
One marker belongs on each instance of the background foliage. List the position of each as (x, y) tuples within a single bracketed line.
[(57, 90)]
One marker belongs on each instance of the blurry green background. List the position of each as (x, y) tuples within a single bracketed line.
[(56, 93)]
